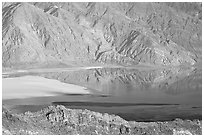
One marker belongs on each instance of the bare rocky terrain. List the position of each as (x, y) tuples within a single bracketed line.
[(156, 35), (81, 34), (59, 120)]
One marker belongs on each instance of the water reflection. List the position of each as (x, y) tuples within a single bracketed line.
[(111, 80), (126, 88), (134, 83)]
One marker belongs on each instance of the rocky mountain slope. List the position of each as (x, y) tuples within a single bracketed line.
[(73, 34)]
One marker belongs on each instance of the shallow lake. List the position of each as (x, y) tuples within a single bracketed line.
[(132, 93)]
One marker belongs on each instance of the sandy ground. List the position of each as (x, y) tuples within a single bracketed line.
[(35, 86)]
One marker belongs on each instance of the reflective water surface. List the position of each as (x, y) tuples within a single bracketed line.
[(132, 93)]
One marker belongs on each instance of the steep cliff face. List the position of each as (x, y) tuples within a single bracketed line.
[(42, 34)]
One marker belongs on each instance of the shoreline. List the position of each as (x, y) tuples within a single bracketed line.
[(139, 113), (7, 71)]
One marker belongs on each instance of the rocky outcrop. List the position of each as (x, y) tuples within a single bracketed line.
[(73, 34), (59, 120)]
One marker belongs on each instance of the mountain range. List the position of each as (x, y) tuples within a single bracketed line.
[(95, 34)]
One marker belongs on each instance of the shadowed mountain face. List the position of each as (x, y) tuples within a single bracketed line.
[(73, 34)]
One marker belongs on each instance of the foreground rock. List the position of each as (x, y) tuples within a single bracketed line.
[(60, 120)]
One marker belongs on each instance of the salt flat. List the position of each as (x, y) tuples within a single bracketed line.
[(35, 86)]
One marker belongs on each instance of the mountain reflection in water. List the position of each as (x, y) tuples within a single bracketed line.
[(180, 86)]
